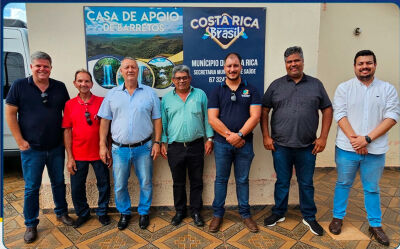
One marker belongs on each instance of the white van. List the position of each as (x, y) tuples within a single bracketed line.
[(16, 61)]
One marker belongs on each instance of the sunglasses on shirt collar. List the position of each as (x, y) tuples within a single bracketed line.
[(233, 96), (88, 120), (45, 98)]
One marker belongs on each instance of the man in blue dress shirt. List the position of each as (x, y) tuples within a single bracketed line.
[(133, 108)]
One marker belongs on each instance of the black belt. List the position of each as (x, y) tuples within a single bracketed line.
[(186, 144), (132, 145)]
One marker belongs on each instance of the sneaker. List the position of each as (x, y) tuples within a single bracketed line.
[(315, 228), (273, 219)]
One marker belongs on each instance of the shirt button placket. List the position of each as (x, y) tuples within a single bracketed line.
[(131, 105), (365, 114)]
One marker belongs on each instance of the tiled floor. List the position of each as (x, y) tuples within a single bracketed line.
[(160, 234)]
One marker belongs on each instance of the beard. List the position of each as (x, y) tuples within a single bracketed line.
[(233, 79), (366, 77)]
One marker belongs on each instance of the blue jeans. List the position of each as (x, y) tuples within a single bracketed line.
[(123, 158), (225, 155), (33, 162), (304, 163), (371, 168), (78, 187)]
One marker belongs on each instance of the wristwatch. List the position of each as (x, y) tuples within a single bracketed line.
[(157, 142), (240, 134), (368, 139), (210, 139)]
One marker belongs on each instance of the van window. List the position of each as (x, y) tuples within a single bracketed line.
[(13, 69)]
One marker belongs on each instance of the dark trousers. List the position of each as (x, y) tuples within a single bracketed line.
[(78, 187), (190, 157), (304, 163)]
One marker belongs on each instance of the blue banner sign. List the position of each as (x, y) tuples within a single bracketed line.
[(160, 38)]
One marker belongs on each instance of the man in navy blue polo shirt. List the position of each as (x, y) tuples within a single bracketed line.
[(234, 110), (295, 99), (33, 112)]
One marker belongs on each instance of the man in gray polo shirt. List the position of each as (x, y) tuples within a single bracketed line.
[(295, 100)]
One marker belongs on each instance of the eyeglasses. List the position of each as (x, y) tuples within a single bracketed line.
[(184, 78), (233, 96), (88, 120), (45, 98)]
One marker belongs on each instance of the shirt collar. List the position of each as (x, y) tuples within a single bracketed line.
[(191, 89), (80, 101), (303, 79), (122, 86), (374, 82), (243, 82), (30, 81)]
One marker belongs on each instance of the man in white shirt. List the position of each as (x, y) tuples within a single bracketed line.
[(365, 109)]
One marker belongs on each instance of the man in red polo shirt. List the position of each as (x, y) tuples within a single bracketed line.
[(81, 138)]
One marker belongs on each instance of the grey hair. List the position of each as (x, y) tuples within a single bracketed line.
[(39, 55), (293, 50), (128, 58), (181, 68)]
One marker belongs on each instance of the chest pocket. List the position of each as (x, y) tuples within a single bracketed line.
[(194, 107), (377, 103)]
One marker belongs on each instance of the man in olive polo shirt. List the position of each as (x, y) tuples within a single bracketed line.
[(185, 126), (295, 100)]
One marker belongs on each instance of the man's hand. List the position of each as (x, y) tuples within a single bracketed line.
[(234, 139), (155, 151), (320, 144), (268, 143), (208, 147), (105, 155), (358, 142), (71, 166), (110, 159), (164, 150), (23, 145), (362, 151)]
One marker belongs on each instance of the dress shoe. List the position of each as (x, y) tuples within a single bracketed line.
[(336, 226), (177, 219), (198, 220), (66, 220), (144, 221), (379, 235), (30, 234), (104, 219), (81, 220), (251, 225), (215, 224), (123, 221)]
